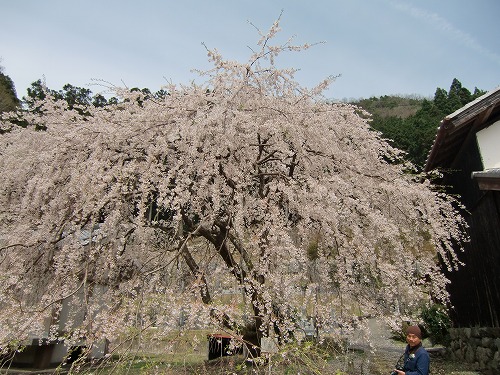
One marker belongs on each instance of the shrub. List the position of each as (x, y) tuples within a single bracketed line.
[(436, 323)]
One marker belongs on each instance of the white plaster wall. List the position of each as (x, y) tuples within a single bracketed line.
[(488, 140)]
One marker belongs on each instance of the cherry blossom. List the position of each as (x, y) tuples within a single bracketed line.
[(142, 213)]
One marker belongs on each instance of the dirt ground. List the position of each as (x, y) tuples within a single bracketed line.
[(385, 352), (378, 358)]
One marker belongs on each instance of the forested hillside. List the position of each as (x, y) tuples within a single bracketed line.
[(411, 123), (392, 105), (8, 97)]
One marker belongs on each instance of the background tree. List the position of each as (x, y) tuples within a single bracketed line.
[(414, 131), (75, 97), (8, 97), (135, 213)]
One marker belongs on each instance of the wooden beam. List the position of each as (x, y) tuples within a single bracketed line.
[(489, 183)]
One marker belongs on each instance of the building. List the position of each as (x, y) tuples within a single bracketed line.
[(467, 153)]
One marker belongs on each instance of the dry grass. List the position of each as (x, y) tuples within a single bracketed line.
[(186, 353), (303, 360)]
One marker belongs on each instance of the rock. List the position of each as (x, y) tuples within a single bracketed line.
[(486, 342), (483, 356), (467, 332), (470, 354)]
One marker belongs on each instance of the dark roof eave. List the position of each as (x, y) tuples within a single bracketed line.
[(456, 120), (441, 133)]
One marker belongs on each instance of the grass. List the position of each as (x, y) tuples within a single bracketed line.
[(303, 359), (354, 363), (351, 364), (186, 353)]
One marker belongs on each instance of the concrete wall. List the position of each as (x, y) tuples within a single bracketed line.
[(480, 346), (488, 140)]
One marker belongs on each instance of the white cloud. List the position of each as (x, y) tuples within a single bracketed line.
[(440, 23)]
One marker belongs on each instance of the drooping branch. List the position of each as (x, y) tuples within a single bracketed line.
[(261, 144), (195, 270), (215, 313), (218, 238), (230, 181), (292, 165)]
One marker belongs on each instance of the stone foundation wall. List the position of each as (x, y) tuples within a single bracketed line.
[(480, 346)]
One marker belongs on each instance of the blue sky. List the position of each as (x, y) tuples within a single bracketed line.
[(377, 47)]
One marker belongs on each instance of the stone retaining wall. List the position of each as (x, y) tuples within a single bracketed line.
[(480, 346)]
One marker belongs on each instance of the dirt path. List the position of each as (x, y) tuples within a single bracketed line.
[(383, 353)]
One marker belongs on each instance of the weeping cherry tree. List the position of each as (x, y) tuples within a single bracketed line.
[(142, 212)]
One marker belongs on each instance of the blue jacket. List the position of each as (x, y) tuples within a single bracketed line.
[(416, 363)]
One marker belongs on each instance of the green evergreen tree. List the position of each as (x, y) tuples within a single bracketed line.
[(35, 92), (76, 97), (8, 97), (415, 134), (455, 96), (441, 100)]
